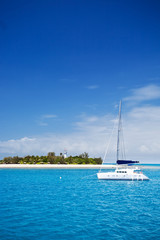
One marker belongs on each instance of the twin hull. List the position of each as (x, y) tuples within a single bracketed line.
[(120, 176)]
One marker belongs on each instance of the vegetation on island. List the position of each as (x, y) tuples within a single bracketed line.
[(51, 158)]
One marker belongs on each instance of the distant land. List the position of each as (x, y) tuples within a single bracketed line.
[(51, 158)]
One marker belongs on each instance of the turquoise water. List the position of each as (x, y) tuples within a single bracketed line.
[(37, 204)]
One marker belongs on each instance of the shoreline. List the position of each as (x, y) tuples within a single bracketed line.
[(67, 166), (57, 166)]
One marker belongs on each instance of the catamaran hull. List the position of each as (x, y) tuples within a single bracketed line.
[(134, 177)]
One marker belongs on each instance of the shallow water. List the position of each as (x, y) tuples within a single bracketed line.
[(37, 204)]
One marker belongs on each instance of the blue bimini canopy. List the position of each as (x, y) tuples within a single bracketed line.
[(126, 162)]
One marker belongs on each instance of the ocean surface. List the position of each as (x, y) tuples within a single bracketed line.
[(73, 204)]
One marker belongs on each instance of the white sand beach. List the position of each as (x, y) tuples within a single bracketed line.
[(58, 166), (68, 166)]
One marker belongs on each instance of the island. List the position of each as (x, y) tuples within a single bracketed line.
[(51, 158)]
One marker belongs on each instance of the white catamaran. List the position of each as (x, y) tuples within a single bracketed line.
[(125, 170)]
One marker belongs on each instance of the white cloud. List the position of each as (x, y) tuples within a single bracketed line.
[(44, 118), (149, 92), (49, 116), (42, 123), (89, 136), (92, 87), (142, 130), (92, 134), (142, 126)]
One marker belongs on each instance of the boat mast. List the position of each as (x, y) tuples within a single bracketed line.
[(119, 129)]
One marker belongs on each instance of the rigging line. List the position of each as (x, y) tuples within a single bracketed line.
[(88, 176), (77, 184), (106, 152)]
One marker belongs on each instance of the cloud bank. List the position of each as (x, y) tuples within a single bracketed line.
[(150, 92), (92, 134)]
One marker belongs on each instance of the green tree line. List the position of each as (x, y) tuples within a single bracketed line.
[(51, 158)]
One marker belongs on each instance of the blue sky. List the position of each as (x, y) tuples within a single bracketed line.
[(65, 65)]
